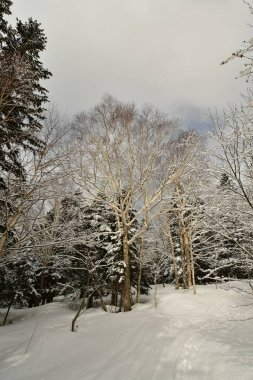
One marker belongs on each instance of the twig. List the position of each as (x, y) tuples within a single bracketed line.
[(31, 337)]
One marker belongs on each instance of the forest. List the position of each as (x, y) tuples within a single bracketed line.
[(125, 236), (120, 197)]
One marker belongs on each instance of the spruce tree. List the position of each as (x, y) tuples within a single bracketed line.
[(22, 95)]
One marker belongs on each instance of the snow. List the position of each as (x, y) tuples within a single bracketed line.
[(196, 337)]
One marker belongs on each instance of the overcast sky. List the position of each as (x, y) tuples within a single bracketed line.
[(163, 52)]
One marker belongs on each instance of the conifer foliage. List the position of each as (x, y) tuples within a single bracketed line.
[(77, 252), (21, 94)]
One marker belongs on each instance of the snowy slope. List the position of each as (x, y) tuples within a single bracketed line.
[(201, 337)]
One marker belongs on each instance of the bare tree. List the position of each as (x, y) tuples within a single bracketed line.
[(222, 236), (232, 132), (23, 199), (128, 155), (179, 215)]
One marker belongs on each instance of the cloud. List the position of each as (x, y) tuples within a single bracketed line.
[(162, 52)]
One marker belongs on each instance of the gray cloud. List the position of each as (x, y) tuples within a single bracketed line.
[(165, 52)]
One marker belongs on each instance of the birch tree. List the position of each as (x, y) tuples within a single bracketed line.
[(126, 154), (180, 213)]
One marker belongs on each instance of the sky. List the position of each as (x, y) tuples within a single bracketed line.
[(162, 52)]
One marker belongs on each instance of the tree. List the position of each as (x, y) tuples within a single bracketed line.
[(245, 53), (127, 154), (222, 237), (21, 94), (180, 212), (22, 201), (18, 279), (90, 255), (232, 131)]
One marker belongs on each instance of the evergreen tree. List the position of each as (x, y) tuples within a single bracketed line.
[(77, 263), (90, 259), (220, 238), (79, 253), (18, 280), (22, 95)]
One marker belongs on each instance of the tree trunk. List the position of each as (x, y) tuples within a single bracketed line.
[(126, 293), (114, 297), (90, 302), (183, 265), (81, 307), (192, 268), (155, 292), (8, 310), (184, 239), (187, 255), (138, 290), (172, 252)]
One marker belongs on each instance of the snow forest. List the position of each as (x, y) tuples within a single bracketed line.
[(103, 212)]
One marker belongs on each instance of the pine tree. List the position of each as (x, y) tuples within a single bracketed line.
[(22, 95), (4, 10)]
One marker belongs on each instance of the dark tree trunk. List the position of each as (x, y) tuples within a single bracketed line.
[(90, 302), (81, 307), (8, 310), (114, 298)]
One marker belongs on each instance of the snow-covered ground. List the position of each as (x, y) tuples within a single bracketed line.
[(195, 337)]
